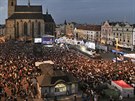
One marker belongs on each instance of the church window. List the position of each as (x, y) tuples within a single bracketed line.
[(17, 32), (12, 4), (25, 29), (32, 29), (39, 28)]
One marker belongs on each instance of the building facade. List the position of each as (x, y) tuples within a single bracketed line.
[(54, 82), (106, 33), (124, 33), (134, 36), (88, 32), (69, 29), (27, 22)]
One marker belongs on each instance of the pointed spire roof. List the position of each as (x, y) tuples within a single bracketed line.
[(29, 3), (65, 22), (47, 11)]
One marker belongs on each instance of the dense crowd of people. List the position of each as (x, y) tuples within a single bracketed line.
[(17, 68)]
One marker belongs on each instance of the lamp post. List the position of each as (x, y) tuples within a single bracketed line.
[(116, 39)]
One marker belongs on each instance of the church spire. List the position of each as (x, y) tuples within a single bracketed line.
[(29, 3), (47, 11)]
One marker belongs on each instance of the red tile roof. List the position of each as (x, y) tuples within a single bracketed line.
[(89, 27)]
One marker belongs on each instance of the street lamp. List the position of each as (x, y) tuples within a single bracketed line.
[(116, 39)]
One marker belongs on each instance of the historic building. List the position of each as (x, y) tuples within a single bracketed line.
[(27, 21), (106, 33), (88, 32), (123, 31), (55, 82), (69, 29), (134, 36), (66, 29)]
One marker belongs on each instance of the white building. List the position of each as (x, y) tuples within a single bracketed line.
[(134, 36), (88, 32)]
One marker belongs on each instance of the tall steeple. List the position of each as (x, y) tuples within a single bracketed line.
[(46, 11), (29, 3), (11, 7)]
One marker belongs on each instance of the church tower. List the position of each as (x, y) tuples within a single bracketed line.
[(11, 7)]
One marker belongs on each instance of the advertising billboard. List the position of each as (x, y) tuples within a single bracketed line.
[(37, 40), (48, 40)]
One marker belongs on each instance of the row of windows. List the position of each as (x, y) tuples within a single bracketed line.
[(25, 29), (109, 30)]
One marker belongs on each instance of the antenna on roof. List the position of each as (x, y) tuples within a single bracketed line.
[(29, 3), (124, 20)]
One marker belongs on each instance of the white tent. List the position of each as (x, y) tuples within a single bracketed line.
[(131, 55)]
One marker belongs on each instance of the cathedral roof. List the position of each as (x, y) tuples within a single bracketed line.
[(48, 18), (27, 16), (28, 9), (45, 17)]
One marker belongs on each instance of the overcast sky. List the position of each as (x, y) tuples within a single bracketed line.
[(81, 11)]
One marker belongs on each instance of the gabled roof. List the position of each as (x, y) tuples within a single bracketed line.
[(51, 76), (89, 27), (28, 9)]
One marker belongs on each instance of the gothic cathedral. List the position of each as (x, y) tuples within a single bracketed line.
[(26, 22)]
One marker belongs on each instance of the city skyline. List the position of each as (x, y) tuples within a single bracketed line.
[(81, 11)]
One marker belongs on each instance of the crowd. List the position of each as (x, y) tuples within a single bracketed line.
[(17, 68)]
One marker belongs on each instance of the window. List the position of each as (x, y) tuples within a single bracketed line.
[(32, 29), (120, 34), (25, 29), (17, 33), (39, 28), (60, 88), (12, 3)]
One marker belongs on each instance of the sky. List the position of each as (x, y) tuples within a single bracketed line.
[(81, 11)]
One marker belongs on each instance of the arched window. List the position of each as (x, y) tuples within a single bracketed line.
[(32, 29), (39, 28), (25, 29), (12, 3), (60, 88), (17, 32)]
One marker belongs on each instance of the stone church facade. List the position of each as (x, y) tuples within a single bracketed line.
[(27, 22)]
